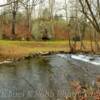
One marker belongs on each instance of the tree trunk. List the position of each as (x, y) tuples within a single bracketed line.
[(14, 24)]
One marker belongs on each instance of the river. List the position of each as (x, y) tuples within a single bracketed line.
[(44, 78)]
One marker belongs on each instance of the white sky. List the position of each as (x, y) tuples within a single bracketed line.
[(3, 1), (59, 4)]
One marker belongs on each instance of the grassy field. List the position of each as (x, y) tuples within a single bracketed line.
[(18, 49)]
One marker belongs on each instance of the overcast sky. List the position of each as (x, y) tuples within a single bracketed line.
[(3, 1), (59, 4)]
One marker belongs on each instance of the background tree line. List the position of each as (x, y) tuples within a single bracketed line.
[(36, 19)]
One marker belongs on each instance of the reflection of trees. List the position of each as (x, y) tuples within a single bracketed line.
[(46, 77)]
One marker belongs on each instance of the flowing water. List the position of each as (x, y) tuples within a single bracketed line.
[(44, 78)]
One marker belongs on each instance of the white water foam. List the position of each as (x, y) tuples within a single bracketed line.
[(84, 58), (5, 62)]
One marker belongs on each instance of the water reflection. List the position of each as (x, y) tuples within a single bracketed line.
[(42, 78)]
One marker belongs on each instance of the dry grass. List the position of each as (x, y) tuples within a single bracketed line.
[(18, 49)]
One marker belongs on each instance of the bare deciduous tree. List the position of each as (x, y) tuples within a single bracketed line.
[(90, 14), (51, 11), (29, 7), (13, 5)]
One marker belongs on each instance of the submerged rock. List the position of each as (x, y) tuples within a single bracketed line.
[(91, 59)]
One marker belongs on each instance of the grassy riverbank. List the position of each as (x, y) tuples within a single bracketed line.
[(18, 49)]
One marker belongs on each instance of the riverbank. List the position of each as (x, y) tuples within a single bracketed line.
[(15, 50), (19, 49)]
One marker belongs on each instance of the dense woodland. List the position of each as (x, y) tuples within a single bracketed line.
[(49, 19)]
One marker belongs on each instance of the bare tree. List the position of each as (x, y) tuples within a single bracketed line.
[(90, 14), (13, 5), (51, 10), (29, 6), (66, 9), (14, 8), (14, 13), (91, 10)]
